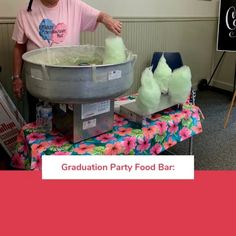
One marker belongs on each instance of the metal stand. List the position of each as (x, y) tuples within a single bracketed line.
[(232, 102), (190, 147), (190, 150), (221, 58), (193, 100)]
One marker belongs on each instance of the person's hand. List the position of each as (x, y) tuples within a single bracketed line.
[(18, 87), (111, 24)]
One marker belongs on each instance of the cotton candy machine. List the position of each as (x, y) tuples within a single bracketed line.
[(75, 74), (82, 88)]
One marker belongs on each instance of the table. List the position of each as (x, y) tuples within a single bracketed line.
[(162, 131)]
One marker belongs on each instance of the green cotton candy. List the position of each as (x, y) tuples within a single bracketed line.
[(114, 51), (162, 74), (149, 93), (76, 61), (180, 85)]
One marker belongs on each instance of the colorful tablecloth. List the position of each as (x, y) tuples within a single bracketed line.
[(162, 131)]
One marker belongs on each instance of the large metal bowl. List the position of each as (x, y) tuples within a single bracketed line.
[(48, 77)]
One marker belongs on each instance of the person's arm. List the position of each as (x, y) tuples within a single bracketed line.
[(17, 84), (111, 24)]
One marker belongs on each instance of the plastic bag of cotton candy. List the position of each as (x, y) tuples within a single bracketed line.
[(180, 85), (162, 75), (149, 93), (176, 84), (115, 51)]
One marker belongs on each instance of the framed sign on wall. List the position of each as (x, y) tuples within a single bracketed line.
[(226, 39)]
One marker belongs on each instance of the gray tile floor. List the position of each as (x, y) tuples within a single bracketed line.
[(215, 148)]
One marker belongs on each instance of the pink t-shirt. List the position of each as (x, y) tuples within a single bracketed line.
[(59, 25)]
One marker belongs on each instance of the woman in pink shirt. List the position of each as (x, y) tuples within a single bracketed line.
[(47, 23)]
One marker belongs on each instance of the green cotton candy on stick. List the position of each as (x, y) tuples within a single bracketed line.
[(149, 93), (180, 85), (162, 75), (114, 51)]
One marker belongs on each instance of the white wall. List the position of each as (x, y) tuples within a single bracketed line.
[(158, 8), (136, 8), (8, 8)]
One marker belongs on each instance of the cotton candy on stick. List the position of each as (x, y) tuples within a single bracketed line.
[(149, 93), (162, 74), (114, 51), (180, 85)]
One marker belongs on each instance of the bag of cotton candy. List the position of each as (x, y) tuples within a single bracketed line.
[(162, 75), (180, 85), (114, 51), (149, 93)]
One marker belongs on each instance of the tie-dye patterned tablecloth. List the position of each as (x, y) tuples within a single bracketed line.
[(162, 131)]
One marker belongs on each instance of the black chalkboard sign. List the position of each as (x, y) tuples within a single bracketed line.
[(227, 26)]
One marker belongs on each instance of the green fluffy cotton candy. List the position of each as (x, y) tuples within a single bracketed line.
[(114, 51), (149, 93), (180, 85), (162, 74)]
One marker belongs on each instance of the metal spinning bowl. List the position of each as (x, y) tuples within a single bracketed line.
[(48, 77)]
